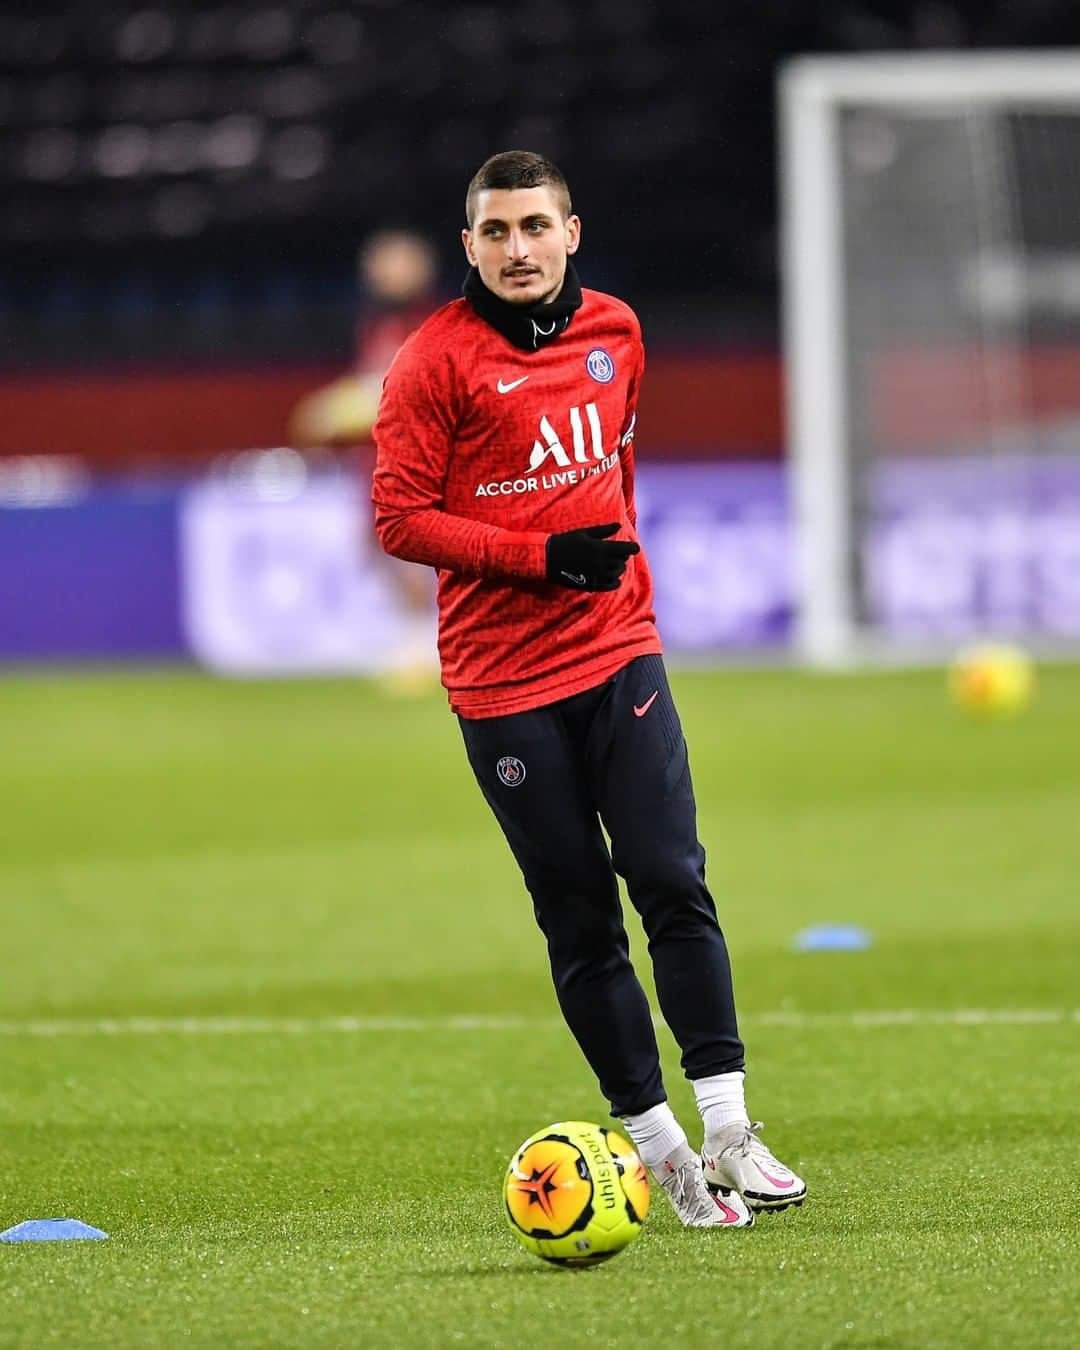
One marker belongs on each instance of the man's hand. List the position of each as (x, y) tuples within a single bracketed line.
[(587, 560)]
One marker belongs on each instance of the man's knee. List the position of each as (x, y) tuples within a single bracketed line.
[(574, 920), (668, 890), (584, 930), (589, 956)]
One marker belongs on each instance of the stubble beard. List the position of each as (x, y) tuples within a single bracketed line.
[(523, 300)]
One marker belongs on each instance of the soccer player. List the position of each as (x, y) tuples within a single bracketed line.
[(504, 460)]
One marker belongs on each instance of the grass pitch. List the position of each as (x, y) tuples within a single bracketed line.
[(274, 1015)]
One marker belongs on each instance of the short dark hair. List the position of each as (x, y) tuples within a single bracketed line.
[(517, 169)]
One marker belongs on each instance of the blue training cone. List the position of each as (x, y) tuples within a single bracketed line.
[(833, 937), (51, 1230)]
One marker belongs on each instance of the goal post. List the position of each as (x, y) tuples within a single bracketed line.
[(930, 218)]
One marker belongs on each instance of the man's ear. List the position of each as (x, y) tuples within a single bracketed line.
[(467, 244), (573, 233)]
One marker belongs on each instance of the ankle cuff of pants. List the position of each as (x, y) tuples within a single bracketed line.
[(724, 1066), (635, 1108)]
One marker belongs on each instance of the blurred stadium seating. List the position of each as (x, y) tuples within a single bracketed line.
[(190, 181)]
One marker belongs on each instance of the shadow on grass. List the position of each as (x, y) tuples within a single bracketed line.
[(501, 1271)]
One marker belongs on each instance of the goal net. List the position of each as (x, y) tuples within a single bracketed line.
[(931, 224)]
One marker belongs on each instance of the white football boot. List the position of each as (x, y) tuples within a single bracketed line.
[(736, 1159), (696, 1205)]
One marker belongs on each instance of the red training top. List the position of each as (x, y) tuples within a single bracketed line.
[(483, 450)]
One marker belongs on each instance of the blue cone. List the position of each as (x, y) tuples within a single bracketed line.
[(51, 1230), (833, 937)]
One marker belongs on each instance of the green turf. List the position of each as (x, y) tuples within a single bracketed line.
[(174, 847)]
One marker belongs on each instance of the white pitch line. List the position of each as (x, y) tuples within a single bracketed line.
[(899, 1017), (314, 1026), (264, 1026)]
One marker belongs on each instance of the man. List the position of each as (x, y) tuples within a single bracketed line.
[(505, 460), (397, 275)]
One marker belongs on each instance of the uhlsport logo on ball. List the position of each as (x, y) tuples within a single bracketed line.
[(575, 1193)]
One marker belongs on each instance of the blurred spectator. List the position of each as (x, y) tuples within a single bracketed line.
[(397, 273)]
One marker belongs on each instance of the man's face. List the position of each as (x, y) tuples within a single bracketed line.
[(519, 241)]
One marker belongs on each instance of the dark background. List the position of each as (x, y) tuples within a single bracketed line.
[(189, 182)]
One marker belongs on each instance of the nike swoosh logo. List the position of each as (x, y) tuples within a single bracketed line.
[(775, 1181), (576, 577), (730, 1215), (505, 388), (640, 712)]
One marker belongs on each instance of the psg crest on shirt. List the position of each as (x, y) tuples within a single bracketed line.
[(511, 771), (600, 366)]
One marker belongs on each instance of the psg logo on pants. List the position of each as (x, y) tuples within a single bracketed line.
[(511, 771)]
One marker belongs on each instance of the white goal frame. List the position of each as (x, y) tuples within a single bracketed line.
[(813, 91)]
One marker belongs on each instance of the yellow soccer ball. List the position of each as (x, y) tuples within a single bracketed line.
[(992, 680), (575, 1193)]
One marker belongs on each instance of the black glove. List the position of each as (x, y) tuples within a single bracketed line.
[(587, 560)]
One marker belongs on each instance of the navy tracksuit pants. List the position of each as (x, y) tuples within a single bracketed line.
[(615, 755)]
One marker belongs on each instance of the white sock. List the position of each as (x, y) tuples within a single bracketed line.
[(656, 1134), (721, 1101)]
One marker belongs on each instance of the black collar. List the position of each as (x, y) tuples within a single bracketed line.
[(527, 326)]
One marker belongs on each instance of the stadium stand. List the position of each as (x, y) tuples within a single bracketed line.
[(220, 161)]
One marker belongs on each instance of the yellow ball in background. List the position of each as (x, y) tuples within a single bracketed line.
[(993, 680)]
